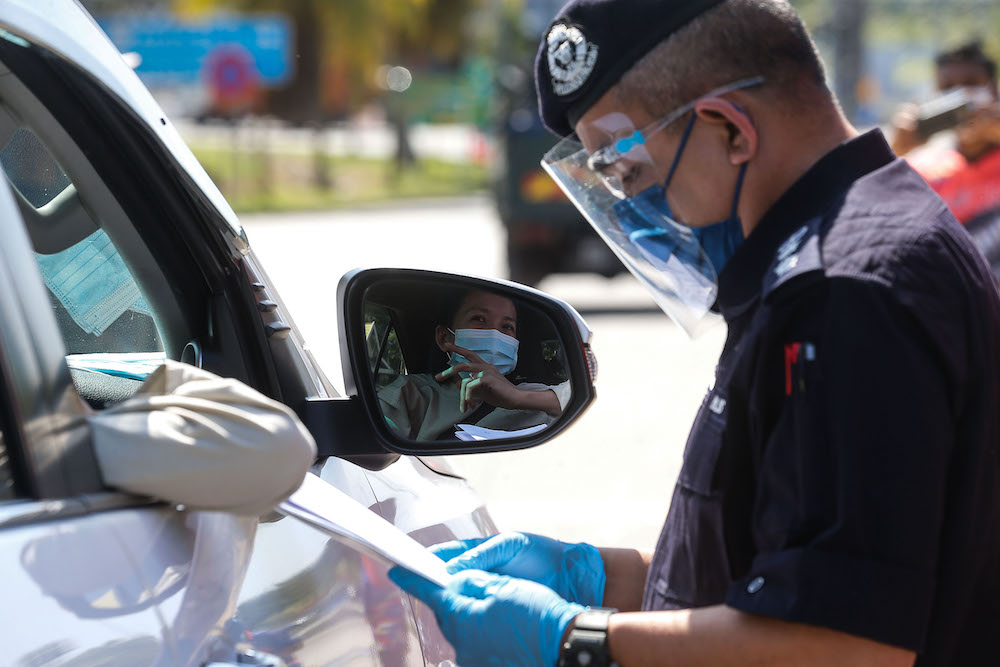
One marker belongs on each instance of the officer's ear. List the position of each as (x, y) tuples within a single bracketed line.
[(741, 133)]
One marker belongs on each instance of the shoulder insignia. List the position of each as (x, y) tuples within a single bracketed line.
[(797, 255)]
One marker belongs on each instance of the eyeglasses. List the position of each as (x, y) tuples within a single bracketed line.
[(602, 159)]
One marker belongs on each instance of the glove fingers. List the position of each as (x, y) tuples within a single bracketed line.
[(475, 584), (491, 555), (448, 550), (426, 591)]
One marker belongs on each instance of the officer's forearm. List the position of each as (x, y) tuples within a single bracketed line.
[(625, 571), (721, 636)]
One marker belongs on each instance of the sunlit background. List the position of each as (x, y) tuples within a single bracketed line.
[(319, 103), (404, 132)]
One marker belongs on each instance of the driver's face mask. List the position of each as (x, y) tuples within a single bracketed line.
[(494, 347), (677, 263)]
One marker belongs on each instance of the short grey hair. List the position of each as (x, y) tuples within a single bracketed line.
[(734, 40)]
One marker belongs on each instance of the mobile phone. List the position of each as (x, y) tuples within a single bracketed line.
[(948, 110), (943, 113)]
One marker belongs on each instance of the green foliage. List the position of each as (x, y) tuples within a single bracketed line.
[(285, 182)]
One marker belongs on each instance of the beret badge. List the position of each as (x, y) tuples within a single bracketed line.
[(571, 58)]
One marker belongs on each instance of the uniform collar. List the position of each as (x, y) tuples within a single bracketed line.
[(810, 196)]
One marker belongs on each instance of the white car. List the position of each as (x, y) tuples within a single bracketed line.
[(117, 252)]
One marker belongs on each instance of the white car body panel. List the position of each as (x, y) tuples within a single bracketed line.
[(55, 573)]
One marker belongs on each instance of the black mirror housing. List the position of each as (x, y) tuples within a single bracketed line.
[(397, 305)]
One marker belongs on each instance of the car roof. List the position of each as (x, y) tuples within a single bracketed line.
[(66, 29)]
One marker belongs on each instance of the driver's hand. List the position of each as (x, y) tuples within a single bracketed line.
[(484, 384)]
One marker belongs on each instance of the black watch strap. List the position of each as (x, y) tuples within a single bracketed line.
[(587, 642)]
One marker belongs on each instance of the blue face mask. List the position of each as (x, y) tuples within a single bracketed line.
[(650, 224), (92, 283), (494, 347)]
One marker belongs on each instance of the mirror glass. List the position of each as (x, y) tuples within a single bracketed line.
[(467, 364)]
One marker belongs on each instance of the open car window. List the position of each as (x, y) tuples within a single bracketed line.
[(99, 306), (108, 327)]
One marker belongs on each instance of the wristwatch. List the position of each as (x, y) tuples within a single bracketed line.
[(587, 643)]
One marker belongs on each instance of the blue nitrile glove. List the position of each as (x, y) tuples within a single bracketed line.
[(491, 619), (574, 571)]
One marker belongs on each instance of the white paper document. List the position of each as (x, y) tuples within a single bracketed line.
[(470, 432), (325, 507)]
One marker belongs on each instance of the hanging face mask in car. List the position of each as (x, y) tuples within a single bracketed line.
[(91, 281), (679, 264), (494, 347)]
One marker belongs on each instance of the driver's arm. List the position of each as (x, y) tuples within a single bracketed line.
[(561, 392), (543, 400)]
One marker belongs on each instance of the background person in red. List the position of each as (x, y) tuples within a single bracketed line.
[(968, 177)]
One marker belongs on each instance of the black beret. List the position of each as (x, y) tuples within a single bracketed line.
[(592, 43)]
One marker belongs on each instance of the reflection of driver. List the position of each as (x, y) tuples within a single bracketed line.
[(480, 341)]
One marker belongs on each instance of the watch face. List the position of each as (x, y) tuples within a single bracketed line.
[(587, 643)]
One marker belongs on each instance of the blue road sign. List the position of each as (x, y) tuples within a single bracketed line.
[(176, 52)]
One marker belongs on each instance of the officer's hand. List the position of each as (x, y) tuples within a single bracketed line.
[(485, 384), (491, 619), (574, 571)]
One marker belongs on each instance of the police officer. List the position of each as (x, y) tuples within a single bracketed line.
[(838, 501)]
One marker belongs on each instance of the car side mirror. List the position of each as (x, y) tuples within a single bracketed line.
[(448, 364)]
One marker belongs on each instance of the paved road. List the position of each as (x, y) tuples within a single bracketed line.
[(608, 480)]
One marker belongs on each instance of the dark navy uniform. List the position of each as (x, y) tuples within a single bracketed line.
[(844, 471)]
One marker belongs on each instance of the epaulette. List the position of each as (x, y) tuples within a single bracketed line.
[(799, 259)]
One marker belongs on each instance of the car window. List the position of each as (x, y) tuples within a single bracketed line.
[(385, 356), (106, 323)]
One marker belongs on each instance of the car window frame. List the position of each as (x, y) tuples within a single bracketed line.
[(54, 452), (12, 436)]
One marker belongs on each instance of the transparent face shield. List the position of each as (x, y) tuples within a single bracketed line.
[(665, 255)]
